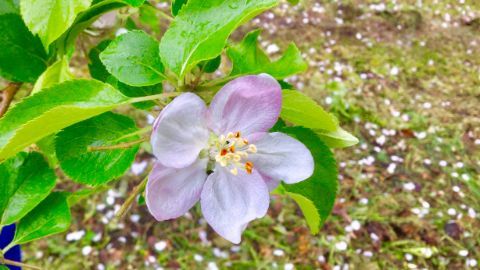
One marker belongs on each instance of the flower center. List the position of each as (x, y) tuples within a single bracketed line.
[(232, 152)]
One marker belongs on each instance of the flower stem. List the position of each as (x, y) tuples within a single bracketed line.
[(124, 145), (126, 205)]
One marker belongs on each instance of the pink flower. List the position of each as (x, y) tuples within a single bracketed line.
[(231, 139)]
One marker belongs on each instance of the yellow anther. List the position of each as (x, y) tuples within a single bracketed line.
[(252, 148)]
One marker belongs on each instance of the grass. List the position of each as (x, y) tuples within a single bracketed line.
[(405, 80)]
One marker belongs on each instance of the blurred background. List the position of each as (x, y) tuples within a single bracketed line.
[(402, 76)]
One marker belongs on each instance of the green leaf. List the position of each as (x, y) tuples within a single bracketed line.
[(96, 167), (177, 5), (200, 30), (211, 65), (316, 195), (51, 18), (149, 15), (56, 73), (26, 180), (338, 138), (301, 110), (294, 2), (95, 66), (51, 216), (248, 58), (99, 72), (52, 109), (22, 57), (9, 6), (87, 17), (133, 59)]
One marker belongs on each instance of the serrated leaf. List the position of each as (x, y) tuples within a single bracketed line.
[(339, 138), (51, 216), (316, 195), (201, 28), (56, 73), (248, 58), (9, 6), (22, 57), (51, 18), (96, 167), (52, 109), (26, 180), (301, 110), (133, 59)]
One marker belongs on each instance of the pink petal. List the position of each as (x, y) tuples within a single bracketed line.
[(180, 131), (230, 202), (171, 192), (249, 104), (282, 157)]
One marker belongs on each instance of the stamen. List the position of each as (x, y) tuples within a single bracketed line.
[(249, 167), (232, 151)]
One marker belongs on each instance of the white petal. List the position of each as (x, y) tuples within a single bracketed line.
[(180, 131), (171, 192), (230, 202), (282, 157), (249, 104)]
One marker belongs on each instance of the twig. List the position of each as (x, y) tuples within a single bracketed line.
[(126, 205), (116, 146), (19, 264), (7, 96)]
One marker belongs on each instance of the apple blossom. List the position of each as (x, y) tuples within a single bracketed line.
[(223, 155)]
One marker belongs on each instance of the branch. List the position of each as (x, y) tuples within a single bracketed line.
[(4, 261), (7, 96)]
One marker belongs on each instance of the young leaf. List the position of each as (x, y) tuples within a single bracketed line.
[(316, 195), (26, 180), (51, 216), (22, 57), (96, 167), (51, 18), (301, 110), (53, 109), (338, 138), (133, 59), (248, 58), (56, 73), (200, 30)]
